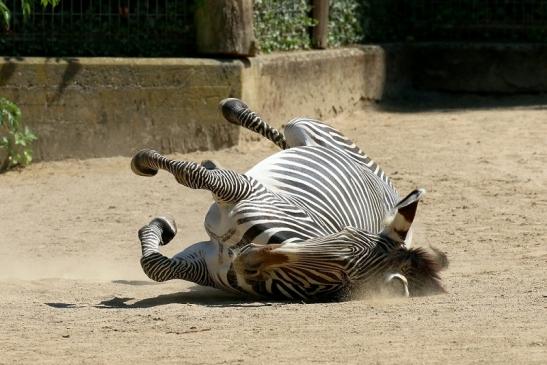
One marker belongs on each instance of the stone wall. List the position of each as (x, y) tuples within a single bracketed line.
[(95, 107), (320, 84), (105, 107)]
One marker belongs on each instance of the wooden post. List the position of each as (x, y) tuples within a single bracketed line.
[(320, 13), (225, 27)]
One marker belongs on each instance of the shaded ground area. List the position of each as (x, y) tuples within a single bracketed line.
[(73, 292)]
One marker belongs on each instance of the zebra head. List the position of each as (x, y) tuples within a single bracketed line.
[(415, 269), (350, 260)]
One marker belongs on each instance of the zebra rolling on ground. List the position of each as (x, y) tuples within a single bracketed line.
[(310, 222)]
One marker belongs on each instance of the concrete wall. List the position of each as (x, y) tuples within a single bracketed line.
[(322, 83), (107, 106), (98, 107), (103, 107)]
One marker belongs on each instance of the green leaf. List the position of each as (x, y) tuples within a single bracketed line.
[(53, 3), (25, 7), (18, 138), (30, 136), (5, 14)]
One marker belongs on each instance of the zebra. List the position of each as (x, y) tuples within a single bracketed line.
[(313, 221)]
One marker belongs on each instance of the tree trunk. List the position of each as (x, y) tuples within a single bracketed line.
[(320, 13), (225, 27)]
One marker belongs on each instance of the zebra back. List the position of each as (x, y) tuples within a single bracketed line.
[(310, 132), (330, 187)]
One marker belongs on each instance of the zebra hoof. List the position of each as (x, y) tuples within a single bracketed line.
[(167, 226), (138, 164), (231, 109)]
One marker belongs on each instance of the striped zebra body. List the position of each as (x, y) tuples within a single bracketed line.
[(313, 132), (308, 222), (319, 191)]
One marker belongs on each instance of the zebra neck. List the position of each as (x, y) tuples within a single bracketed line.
[(374, 258)]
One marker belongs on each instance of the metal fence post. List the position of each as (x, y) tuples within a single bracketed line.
[(225, 27)]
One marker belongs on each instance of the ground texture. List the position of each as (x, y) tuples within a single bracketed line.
[(72, 290)]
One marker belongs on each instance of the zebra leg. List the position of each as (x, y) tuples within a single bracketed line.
[(227, 186), (157, 233), (188, 265), (237, 112)]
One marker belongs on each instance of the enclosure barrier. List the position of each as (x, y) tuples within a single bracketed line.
[(95, 107), (174, 28)]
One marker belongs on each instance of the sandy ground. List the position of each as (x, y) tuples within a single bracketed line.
[(72, 290)]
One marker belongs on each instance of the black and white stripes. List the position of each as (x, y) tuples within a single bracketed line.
[(226, 185), (306, 223), (236, 112), (188, 265)]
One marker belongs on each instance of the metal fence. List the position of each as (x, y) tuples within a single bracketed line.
[(166, 27), (457, 20), (101, 28), (284, 25), (505, 20)]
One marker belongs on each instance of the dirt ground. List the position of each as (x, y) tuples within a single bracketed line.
[(72, 290)]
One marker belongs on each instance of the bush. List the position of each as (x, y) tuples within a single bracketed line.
[(282, 25), (345, 22), (15, 139)]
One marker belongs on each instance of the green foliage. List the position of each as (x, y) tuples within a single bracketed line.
[(146, 28), (15, 139), (388, 20), (26, 6), (282, 25), (4, 14), (345, 22)]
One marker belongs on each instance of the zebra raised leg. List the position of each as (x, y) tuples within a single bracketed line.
[(226, 186), (160, 231), (237, 112), (189, 265)]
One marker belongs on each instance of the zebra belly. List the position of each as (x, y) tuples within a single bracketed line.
[(261, 220)]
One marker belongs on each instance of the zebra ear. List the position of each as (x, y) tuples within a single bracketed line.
[(398, 224)]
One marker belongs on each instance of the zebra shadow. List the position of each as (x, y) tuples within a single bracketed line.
[(198, 295)]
